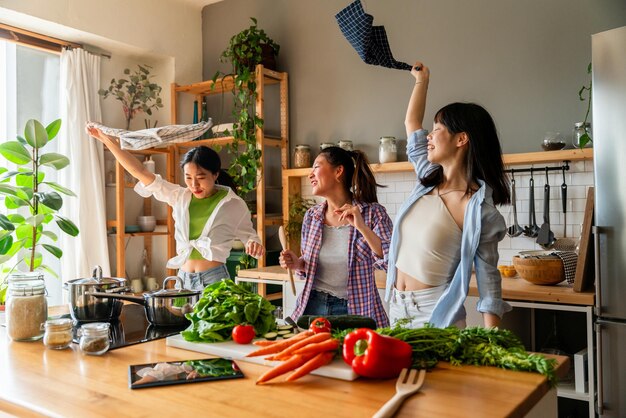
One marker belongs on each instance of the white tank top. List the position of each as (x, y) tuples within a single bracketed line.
[(430, 242)]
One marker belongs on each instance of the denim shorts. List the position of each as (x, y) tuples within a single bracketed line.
[(198, 281), (321, 303), (416, 305)]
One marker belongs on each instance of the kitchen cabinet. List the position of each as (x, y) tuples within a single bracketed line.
[(119, 222)]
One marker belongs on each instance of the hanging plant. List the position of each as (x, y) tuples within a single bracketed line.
[(137, 94), (585, 138), (245, 51)]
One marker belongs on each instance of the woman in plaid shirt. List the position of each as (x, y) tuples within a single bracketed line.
[(344, 239)]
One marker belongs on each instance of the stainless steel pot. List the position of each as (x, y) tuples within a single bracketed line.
[(87, 308), (164, 308)]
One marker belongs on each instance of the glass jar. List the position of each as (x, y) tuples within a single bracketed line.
[(345, 144), (326, 145), (58, 333), (94, 338), (302, 156), (26, 306), (387, 150), (581, 129)]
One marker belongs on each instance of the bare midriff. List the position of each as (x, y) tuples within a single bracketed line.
[(197, 266), (406, 282)]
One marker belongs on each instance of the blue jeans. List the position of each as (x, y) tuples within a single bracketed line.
[(321, 303), (198, 281)]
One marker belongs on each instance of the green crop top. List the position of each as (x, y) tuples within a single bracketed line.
[(199, 212)]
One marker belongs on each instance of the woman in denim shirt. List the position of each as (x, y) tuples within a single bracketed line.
[(449, 222)]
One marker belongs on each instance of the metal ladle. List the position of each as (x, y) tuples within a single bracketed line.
[(545, 238), (514, 230), (532, 229)]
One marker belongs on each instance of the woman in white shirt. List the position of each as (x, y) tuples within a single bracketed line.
[(208, 216)]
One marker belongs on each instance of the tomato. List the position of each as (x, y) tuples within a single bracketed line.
[(320, 325), (243, 334)]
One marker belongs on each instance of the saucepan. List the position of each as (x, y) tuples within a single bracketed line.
[(165, 307), (86, 308)]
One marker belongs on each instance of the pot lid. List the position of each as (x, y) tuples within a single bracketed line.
[(172, 293), (103, 281)]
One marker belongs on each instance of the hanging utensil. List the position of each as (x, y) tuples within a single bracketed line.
[(514, 230), (532, 229), (564, 244), (283, 242), (545, 238)]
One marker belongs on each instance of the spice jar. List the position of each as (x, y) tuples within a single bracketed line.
[(345, 144), (326, 145), (581, 129), (58, 333), (302, 156), (94, 338), (26, 306), (387, 150)]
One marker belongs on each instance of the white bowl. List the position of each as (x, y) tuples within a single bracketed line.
[(146, 223)]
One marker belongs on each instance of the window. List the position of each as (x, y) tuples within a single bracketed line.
[(29, 89)]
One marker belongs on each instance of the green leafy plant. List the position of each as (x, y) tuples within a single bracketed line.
[(297, 208), (137, 94), (31, 202), (585, 138), (245, 52)]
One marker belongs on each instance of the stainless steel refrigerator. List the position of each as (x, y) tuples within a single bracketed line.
[(609, 153)]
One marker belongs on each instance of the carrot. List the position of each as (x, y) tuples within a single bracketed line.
[(321, 359), (284, 367), (328, 345), (279, 346), (263, 343), (315, 338)]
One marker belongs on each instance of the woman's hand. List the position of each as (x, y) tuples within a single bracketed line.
[(417, 103), (352, 215), (254, 249), (289, 260), (420, 72), (101, 136)]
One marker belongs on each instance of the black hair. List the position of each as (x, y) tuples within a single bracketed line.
[(358, 178), (484, 156), (208, 159)]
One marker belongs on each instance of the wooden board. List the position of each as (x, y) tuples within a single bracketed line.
[(229, 349), (584, 277)]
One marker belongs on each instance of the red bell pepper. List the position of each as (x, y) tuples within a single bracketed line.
[(377, 356)]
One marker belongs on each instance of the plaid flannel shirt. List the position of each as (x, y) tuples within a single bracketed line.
[(363, 296)]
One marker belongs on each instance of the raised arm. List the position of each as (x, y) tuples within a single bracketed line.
[(128, 161), (417, 102)]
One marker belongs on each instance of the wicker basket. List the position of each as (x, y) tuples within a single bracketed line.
[(541, 271)]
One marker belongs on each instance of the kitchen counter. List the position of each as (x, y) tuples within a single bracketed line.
[(35, 381), (512, 288)]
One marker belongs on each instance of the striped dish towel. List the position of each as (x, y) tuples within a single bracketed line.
[(570, 259), (154, 137)]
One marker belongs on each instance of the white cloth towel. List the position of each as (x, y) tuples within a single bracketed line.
[(154, 137)]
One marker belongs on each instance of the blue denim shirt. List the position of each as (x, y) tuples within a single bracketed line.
[(483, 228)]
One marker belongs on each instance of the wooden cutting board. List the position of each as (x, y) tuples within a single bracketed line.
[(338, 369)]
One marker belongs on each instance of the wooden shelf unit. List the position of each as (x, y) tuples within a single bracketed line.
[(264, 77), (119, 223), (292, 184)]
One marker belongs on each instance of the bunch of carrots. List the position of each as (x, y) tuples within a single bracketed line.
[(302, 353)]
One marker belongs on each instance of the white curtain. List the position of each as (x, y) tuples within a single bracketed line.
[(80, 81)]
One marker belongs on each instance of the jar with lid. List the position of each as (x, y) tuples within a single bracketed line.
[(94, 338), (326, 145), (26, 306), (387, 150), (302, 156), (580, 129), (345, 144), (58, 333)]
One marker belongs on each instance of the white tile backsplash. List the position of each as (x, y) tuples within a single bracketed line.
[(578, 178)]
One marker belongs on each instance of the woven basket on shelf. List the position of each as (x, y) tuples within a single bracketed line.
[(541, 271)]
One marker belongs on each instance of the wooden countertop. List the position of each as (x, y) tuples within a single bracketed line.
[(512, 288), (36, 381)]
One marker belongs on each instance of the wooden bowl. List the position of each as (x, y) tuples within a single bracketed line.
[(541, 271)]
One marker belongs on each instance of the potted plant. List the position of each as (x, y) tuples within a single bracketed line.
[(245, 52), (31, 201), (137, 94)]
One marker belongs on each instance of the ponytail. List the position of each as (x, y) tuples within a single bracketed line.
[(358, 178), (224, 179)]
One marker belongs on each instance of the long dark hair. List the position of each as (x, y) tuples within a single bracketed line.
[(358, 179), (484, 156), (210, 160)]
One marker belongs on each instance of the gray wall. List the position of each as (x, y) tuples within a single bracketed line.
[(523, 60)]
